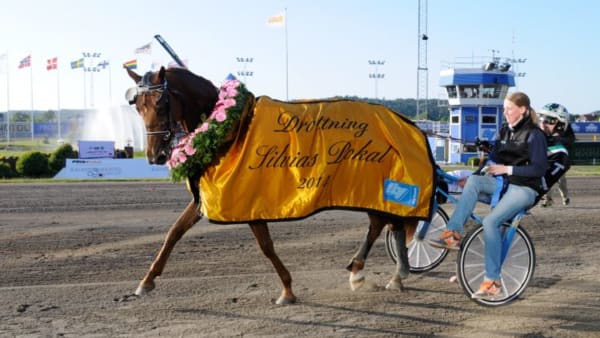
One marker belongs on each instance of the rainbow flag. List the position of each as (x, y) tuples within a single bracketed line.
[(130, 64)]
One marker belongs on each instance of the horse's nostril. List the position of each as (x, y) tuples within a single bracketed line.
[(160, 159)]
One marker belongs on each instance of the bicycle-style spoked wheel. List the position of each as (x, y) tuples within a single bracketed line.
[(422, 256), (517, 269)]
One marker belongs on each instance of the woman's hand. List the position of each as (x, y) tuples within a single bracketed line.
[(498, 169), (461, 182)]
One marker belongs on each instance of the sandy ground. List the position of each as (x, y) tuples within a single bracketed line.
[(71, 254)]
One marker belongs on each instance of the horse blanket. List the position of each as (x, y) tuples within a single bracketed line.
[(298, 158)]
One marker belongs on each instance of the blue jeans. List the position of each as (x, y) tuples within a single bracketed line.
[(515, 199)]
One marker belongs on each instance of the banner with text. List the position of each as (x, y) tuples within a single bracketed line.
[(96, 149), (298, 158)]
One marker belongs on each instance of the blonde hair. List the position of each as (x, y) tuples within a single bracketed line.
[(521, 99)]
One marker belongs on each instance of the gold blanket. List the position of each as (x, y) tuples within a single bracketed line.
[(299, 158)]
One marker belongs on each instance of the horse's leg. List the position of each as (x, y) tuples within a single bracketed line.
[(186, 220), (263, 238), (403, 232), (357, 263)]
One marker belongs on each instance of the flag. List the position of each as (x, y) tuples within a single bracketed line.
[(145, 49), (77, 64), (52, 63), (103, 64), (130, 64), (276, 20), (25, 62)]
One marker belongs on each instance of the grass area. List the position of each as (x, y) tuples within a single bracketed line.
[(22, 145), (48, 146), (575, 171)]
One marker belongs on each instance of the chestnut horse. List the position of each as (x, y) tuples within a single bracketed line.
[(176, 100)]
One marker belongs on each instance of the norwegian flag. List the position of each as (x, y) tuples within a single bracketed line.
[(52, 63), (25, 62)]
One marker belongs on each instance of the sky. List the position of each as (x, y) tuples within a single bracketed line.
[(323, 51)]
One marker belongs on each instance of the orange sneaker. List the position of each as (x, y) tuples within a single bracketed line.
[(449, 239), (489, 289)]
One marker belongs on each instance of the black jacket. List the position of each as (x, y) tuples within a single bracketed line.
[(524, 148)]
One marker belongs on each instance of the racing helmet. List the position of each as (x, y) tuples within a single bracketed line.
[(555, 113)]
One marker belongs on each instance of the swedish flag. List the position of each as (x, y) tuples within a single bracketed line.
[(77, 64)]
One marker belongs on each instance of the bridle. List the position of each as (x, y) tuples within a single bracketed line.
[(145, 87)]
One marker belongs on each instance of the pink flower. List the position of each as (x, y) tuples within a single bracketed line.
[(221, 116), (189, 149), (222, 95), (174, 161), (171, 164), (230, 88), (227, 103), (203, 127), (181, 157), (219, 109)]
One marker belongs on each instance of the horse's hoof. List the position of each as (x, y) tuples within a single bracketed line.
[(394, 285), (357, 281), (143, 290), (285, 300), (404, 273)]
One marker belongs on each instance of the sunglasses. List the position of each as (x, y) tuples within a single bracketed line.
[(549, 120)]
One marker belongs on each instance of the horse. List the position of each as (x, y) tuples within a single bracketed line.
[(175, 100)]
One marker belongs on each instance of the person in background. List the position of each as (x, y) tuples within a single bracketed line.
[(561, 133), (553, 120), (519, 157)]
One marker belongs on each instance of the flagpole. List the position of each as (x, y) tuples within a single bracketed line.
[(58, 100), (109, 86), (285, 18), (7, 103), (84, 88), (31, 96)]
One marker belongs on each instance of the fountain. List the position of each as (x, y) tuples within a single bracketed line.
[(122, 124)]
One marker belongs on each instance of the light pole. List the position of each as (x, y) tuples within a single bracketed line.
[(376, 75), (244, 61), (494, 52), (516, 62), (90, 57)]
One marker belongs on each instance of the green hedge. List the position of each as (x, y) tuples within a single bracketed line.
[(33, 164)]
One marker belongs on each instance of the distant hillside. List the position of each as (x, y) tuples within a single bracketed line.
[(437, 110)]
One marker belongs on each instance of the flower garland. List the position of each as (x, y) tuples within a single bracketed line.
[(195, 151)]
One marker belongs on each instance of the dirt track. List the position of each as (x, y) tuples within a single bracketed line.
[(71, 253)]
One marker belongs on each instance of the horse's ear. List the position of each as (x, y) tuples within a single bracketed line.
[(136, 78), (161, 74)]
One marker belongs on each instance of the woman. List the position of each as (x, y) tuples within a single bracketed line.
[(519, 156)]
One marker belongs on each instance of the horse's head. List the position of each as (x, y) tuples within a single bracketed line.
[(170, 101)]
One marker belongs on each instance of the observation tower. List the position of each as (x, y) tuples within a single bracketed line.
[(476, 89)]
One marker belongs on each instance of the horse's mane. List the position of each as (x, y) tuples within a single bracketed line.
[(195, 96)]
